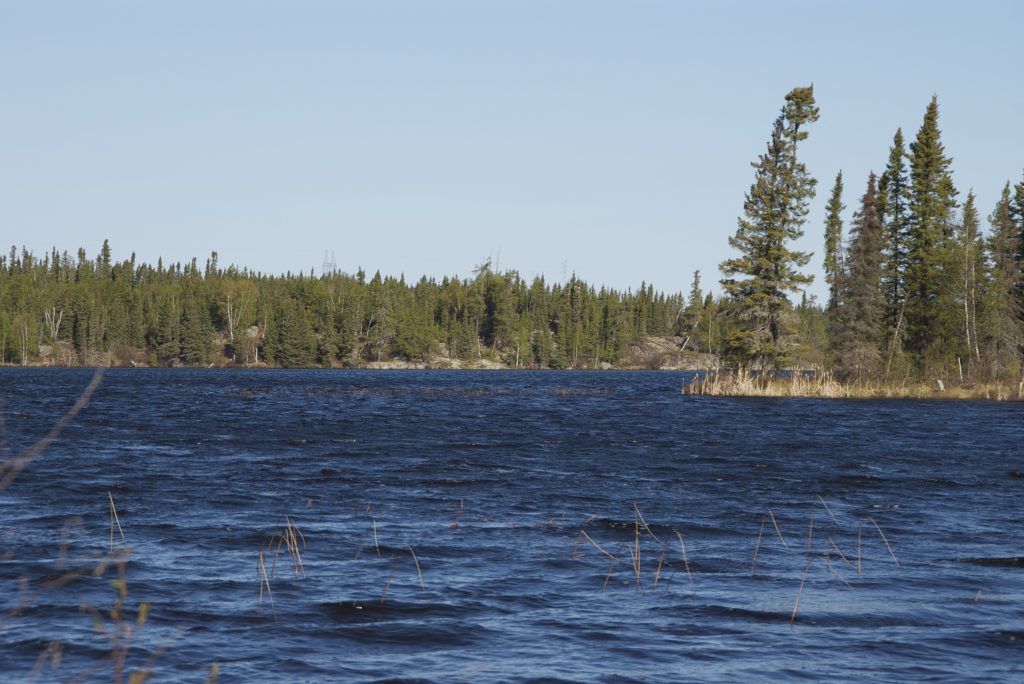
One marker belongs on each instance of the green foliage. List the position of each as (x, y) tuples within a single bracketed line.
[(834, 241), (929, 314), (858, 334), (775, 210), (99, 312)]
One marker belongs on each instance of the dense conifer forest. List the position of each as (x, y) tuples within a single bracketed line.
[(918, 288), (72, 310)]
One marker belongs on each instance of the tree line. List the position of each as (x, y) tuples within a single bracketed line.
[(61, 309), (917, 289)]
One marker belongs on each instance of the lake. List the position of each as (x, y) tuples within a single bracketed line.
[(435, 526)]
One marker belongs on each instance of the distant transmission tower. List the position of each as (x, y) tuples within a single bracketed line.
[(330, 265)]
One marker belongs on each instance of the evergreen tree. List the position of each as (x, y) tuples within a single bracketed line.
[(1016, 216), (859, 332), (932, 198), (894, 197), (775, 210), (296, 345), (970, 271), (1002, 329), (693, 314), (834, 241)]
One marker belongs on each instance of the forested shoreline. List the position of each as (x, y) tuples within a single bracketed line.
[(66, 310), (917, 291)]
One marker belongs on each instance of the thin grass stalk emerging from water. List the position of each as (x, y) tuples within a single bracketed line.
[(657, 572), (882, 535), (611, 571), (418, 571), (597, 546), (686, 563), (800, 591), (12, 467), (777, 530), (827, 509), (114, 520), (841, 555), (636, 553), (757, 546), (647, 528), (264, 579)]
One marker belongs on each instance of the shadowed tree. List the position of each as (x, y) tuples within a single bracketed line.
[(893, 190), (932, 199), (859, 329)]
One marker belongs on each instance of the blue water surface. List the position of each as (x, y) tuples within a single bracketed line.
[(504, 526)]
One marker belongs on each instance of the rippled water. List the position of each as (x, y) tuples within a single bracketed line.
[(490, 478)]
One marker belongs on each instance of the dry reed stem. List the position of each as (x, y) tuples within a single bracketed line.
[(827, 509), (800, 591), (596, 545), (686, 563), (292, 536), (882, 535), (777, 530), (757, 547), (825, 386), (845, 559), (647, 527), (13, 466), (611, 571), (376, 544), (840, 577), (576, 546), (114, 519), (264, 580), (418, 571), (636, 555), (657, 572)]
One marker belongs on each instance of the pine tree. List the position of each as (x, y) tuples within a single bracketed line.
[(834, 241), (1002, 329), (775, 210), (894, 198), (861, 318), (1016, 216), (932, 198), (693, 313)]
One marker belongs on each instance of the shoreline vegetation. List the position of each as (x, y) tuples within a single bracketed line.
[(824, 385), (921, 301)]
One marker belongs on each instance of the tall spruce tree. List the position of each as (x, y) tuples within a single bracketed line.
[(894, 198), (1002, 329), (860, 329), (775, 210), (834, 241), (1016, 215), (932, 199)]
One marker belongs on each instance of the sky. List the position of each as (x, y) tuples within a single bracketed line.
[(609, 139)]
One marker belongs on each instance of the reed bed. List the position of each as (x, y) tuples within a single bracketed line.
[(822, 551), (826, 386)]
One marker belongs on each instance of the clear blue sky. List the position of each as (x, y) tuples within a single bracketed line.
[(610, 138)]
